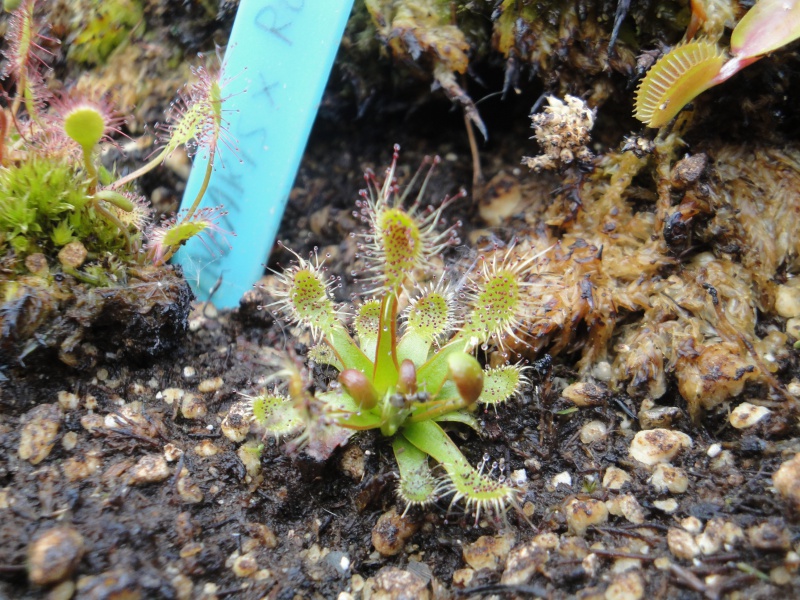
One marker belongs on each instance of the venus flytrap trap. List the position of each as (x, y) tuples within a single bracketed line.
[(406, 374), (691, 68)]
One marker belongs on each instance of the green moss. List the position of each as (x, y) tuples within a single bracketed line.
[(44, 205)]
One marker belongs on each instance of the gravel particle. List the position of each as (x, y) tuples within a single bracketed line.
[(210, 385), (523, 562), (681, 543), (110, 585), (189, 372), (245, 565), (723, 461), (63, 591), (585, 394), (206, 448), (658, 445), (746, 415), (626, 586), (488, 552), (463, 577), (77, 468), (615, 478), (659, 417), (668, 506), (54, 554), (92, 421), (352, 462), (669, 478), (563, 478), (151, 468), (581, 514), (390, 533), (171, 395), (193, 407), (189, 491), (236, 424), (593, 431), (73, 254), (391, 583), (719, 533), (70, 440), (787, 481), (626, 506), (692, 524), (172, 452), (787, 300), (68, 400), (714, 450), (771, 535), (39, 433)]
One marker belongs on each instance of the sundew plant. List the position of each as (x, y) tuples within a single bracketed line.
[(409, 374), (61, 211)]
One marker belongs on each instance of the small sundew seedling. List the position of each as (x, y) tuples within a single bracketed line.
[(690, 69), (406, 374), (53, 190), (176, 231)]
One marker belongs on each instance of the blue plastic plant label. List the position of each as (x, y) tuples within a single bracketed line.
[(274, 73)]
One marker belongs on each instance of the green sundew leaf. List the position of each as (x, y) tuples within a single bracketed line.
[(460, 416), (567, 411), (277, 415), (417, 484), (367, 326), (500, 384), (347, 412), (401, 241), (432, 375), (496, 307), (386, 372), (413, 347), (346, 351), (308, 300), (85, 125), (323, 355), (182, 232), (428, 318), (429, 315), (479, 490)]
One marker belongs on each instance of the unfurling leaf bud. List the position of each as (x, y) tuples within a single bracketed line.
[(407, 381), (467, 374), (359, 387)]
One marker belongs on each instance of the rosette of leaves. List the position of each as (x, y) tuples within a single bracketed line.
[(406, 375)]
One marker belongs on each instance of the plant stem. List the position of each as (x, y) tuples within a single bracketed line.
[(91, 170), (115, 220), (203, 188), (141, 170), (209, 169)]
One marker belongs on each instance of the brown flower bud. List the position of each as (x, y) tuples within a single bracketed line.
[(359, 387), (467, 374)]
